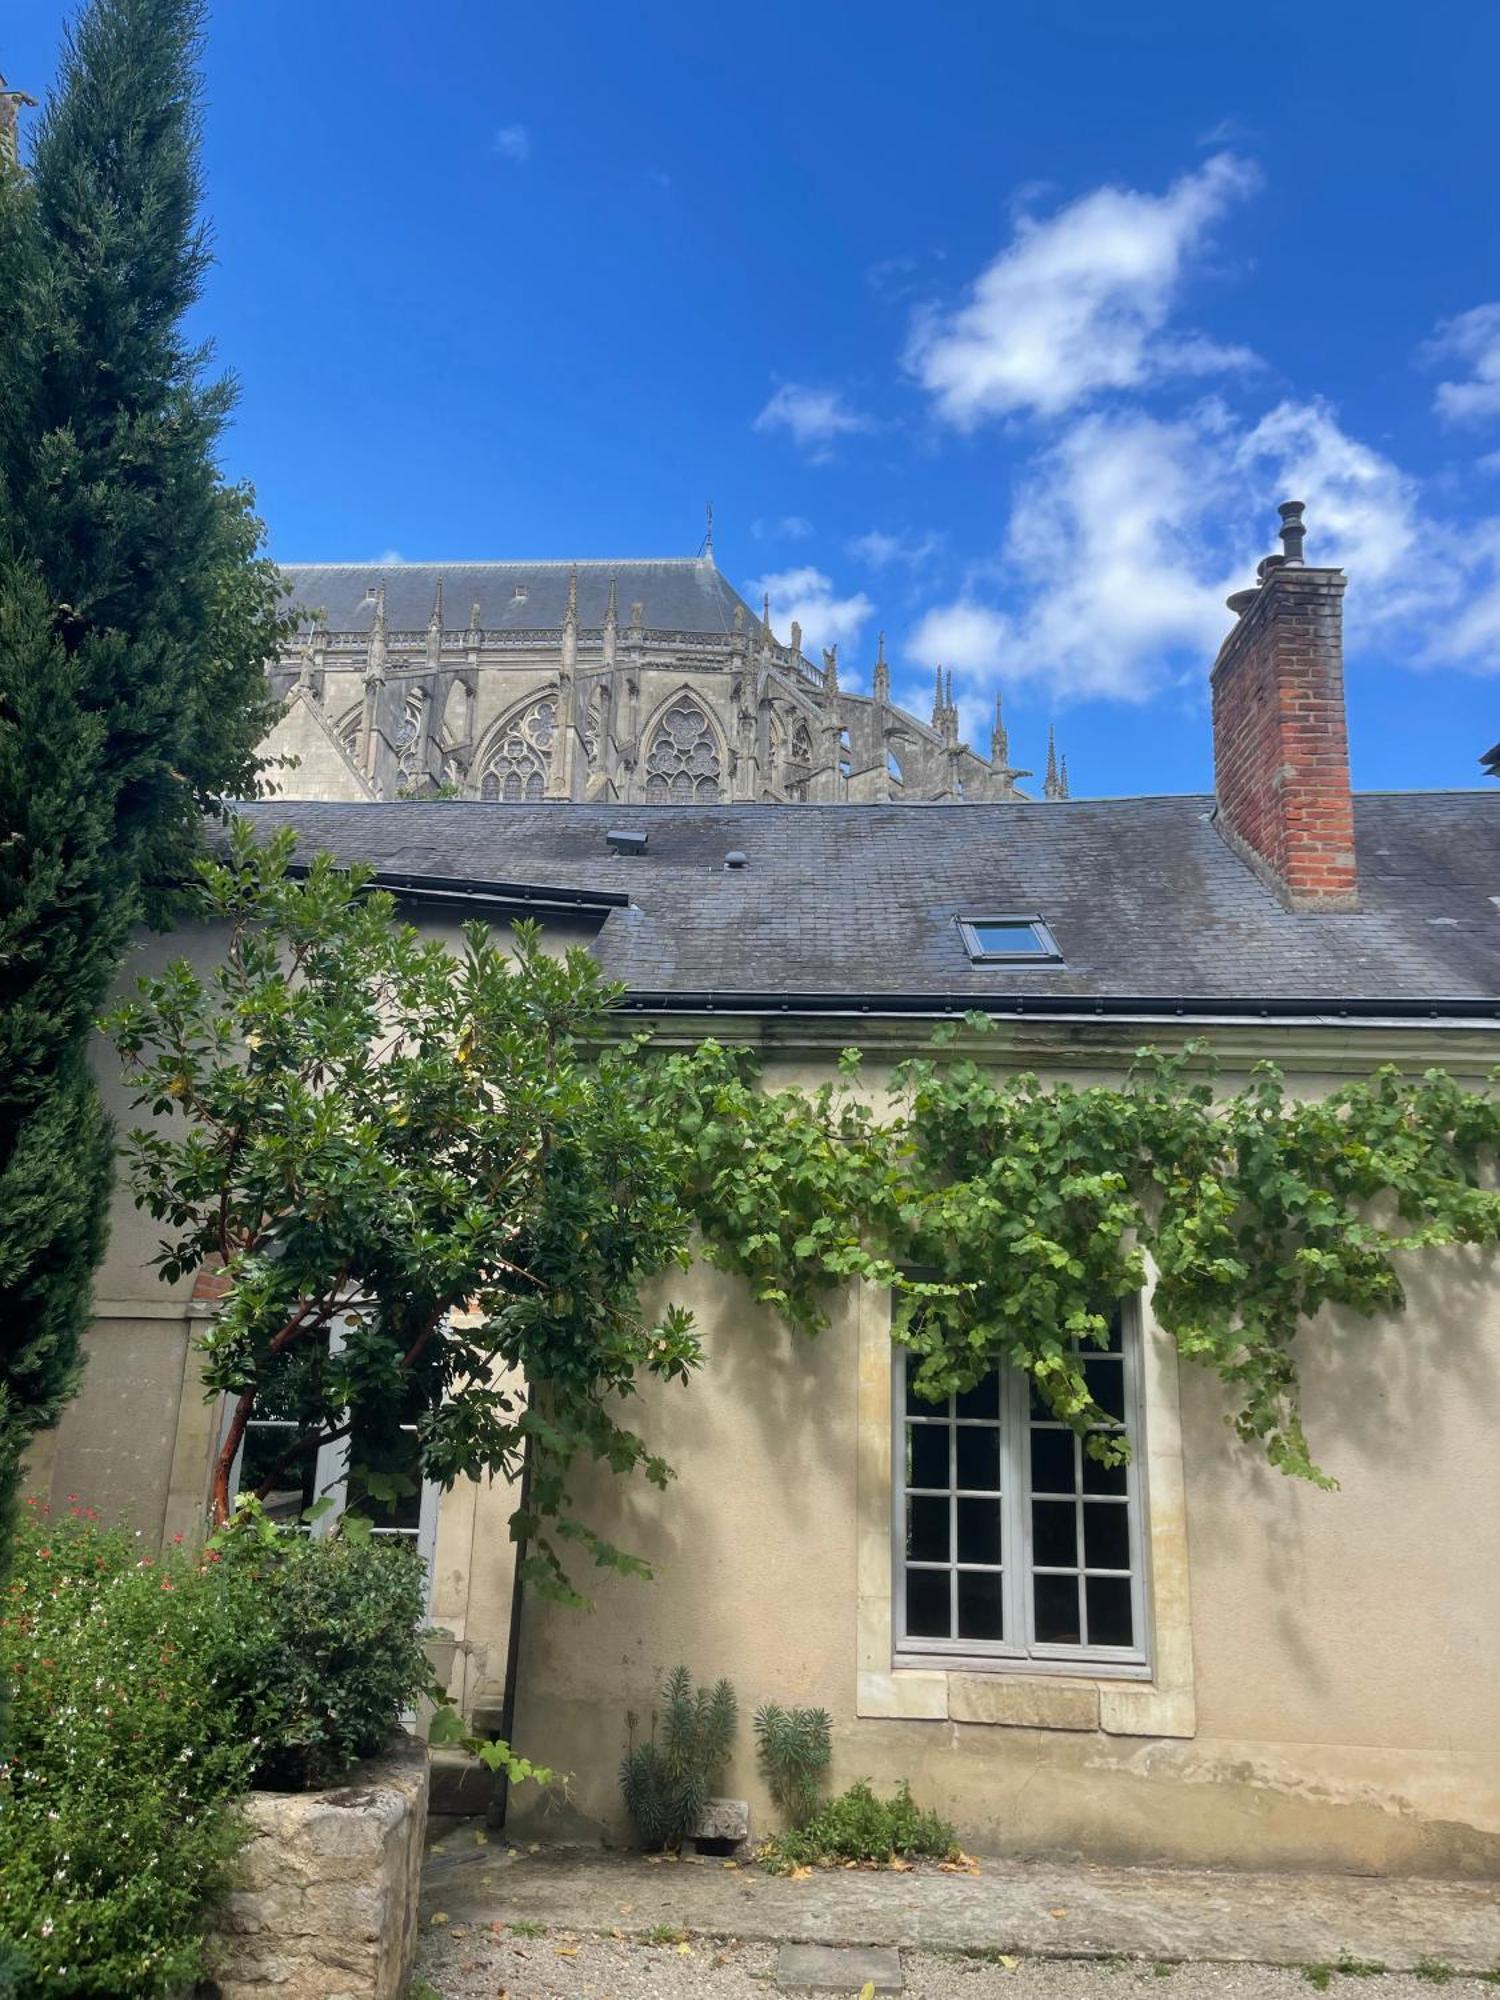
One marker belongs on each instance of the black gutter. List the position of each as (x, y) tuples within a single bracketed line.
[(1060, 1006), (509, 895)]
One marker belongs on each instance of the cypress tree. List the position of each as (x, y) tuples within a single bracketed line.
[(137, 615)]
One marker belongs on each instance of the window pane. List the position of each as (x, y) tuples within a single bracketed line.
[(1099, 1478), (921, 1406), (1110, 1622), (292, 1490), (1020, 939), (983, 1400), (1057, 1610), (1106, 1379), (979, 1458), (927, 1454), (385, 1476), (927, 1610), (927, 1531), (1051, 1461), (981, 1612), (1054, 1534), (1106, 1536), (978, 1531)]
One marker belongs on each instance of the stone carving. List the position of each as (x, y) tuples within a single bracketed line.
[(516, 768), (682, 764)]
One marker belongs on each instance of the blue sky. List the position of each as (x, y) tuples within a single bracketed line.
[(1000, 327)]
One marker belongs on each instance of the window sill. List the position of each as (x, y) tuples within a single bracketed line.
[(1027, 1701)]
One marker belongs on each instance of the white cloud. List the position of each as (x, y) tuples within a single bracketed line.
[(880, 550), (1078, 303), (814, 417), (390, 556), (1131, 530), (513, 142), (808, 596), (788, 528), (1472, 339), (971, 638)]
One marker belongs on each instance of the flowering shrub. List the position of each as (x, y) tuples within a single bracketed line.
[(149, 1694), (114, 1822)]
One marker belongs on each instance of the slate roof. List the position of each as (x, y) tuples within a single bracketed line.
[(686, 594), (1143, 895)]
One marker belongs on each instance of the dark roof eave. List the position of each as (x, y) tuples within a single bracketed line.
[(487, 894), (1187, 1009)]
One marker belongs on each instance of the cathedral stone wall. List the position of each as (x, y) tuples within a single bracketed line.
[(643, 683)]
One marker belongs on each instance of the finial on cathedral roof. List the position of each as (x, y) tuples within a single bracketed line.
[(948, 703), (10, 119), (611, 608), (831, 667), (474, 624), (999, 741), (708, 538), (765, 619), (1062, 780), (570, 616), (882, 672), (937, 700), (376, 657), (1050, 786), (435, 626)]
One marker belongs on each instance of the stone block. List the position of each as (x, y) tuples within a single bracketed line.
[(324, 1900), (1018, 1703), (847, 1969), (724, 1819)]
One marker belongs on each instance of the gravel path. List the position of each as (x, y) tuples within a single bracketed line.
[(465, 1962)]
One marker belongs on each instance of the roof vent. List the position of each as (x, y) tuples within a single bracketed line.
[(625, 840), (518, 594), (735, 858)]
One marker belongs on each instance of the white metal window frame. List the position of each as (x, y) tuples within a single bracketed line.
[(1025, 1652), (969, 928), (331, 1481)]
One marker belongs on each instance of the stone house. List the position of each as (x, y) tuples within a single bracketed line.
[(1196, 1661)]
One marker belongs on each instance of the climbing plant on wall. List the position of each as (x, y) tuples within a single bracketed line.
[(1009, 1215)]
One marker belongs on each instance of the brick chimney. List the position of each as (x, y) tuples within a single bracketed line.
[(1281, 746)]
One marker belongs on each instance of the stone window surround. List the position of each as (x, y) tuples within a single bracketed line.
[(984, 1691)]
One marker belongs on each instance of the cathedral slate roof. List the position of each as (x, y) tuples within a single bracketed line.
[(857, 904), (685, 594)]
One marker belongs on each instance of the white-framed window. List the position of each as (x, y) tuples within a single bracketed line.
[(1013, 1547), (407, 1509)]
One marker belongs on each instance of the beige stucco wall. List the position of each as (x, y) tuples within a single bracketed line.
[(1345, 1644), (1342, 1646)]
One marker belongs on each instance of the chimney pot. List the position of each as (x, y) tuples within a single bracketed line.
[(1293, 533)]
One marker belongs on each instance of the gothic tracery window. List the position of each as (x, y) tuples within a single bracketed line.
[(516, 768), (682, 765)]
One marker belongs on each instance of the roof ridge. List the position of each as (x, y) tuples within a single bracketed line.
[(521, 562)]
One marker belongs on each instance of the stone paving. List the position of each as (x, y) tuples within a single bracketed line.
[(1021, 1909)]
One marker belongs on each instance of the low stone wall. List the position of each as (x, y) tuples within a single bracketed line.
[(325, 1901)]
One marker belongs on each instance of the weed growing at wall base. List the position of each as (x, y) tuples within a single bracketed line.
[(858, 1826)]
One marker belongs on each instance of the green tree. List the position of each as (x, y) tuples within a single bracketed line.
[(437, 1156), (137, 614)]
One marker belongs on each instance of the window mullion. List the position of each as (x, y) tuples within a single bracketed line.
[(1015, 1475)]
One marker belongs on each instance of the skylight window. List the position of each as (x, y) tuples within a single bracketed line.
[(1008, 941)]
